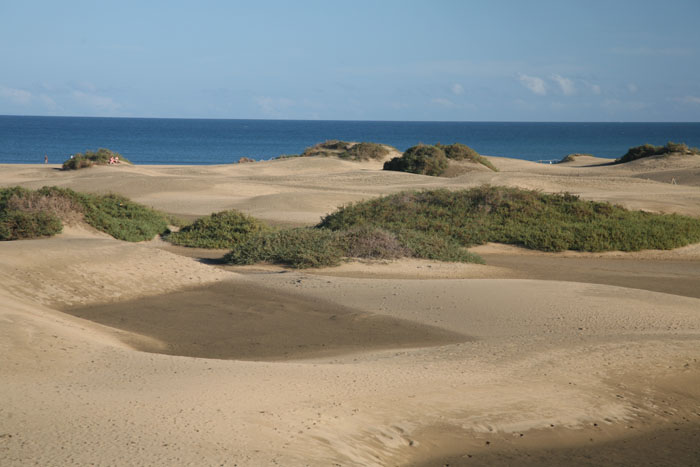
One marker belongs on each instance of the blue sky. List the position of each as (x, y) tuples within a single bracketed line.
[(360, 60)]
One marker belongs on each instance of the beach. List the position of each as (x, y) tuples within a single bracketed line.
[(118, 353)]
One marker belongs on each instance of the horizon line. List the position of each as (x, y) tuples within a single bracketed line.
[(343, 120)]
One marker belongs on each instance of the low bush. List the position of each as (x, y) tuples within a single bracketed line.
[(365, 152), (100, 157), (299, 248), (649, 150), (219, 230), (32, 214), (421, 159), (547, 222), (460, 152)]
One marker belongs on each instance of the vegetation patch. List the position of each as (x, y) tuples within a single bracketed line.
[(547, 222), (649, 150), (100, 157), (28, 214), (421, 159), (331, 147), (299, 248), (346, 150), (365, 152), (219, 230), (460, 152)]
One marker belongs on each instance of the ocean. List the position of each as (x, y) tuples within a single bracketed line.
[(25, 139)]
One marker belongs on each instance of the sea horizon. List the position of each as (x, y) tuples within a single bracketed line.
[(203, 141)]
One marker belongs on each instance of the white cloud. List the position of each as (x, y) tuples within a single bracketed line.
[(443, 102), (565, 84), (16, 96), (457, 89), (533, 83)]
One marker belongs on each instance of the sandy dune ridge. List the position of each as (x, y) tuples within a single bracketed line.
[(516, 361)]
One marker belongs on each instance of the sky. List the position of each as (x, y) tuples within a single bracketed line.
[(497, 60)]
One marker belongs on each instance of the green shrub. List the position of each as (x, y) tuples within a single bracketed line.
[(365, 152), (18, 225), (100, 157), (299, 248), (648, 150), (31, 214), (532, 219), (421, 159), (219, 230)]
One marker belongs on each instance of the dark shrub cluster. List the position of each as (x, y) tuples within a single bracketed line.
[(421, 159), (219, 230), (100, 157), (648, 150), (547, 222)]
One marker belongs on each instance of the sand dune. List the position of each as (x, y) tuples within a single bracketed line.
[(533, 359)]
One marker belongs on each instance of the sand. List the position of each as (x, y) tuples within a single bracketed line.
[(146, 354)]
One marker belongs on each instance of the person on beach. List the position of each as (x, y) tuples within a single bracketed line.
[(111, 160), (46, 159), (116, 159)]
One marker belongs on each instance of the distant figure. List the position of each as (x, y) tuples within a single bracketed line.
[(46, 159), (111, 160), (116, 159)]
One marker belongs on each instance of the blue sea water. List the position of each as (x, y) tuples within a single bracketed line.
[(25, 139)]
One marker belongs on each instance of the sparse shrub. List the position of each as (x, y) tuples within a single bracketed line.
[(365, 152), (219, 230), (421, 159), (100, 157), (244, 160), (648, 150)]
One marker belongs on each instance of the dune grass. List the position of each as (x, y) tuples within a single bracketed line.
[(649, 150), (546, 222), (26, 214), (90, 158)]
